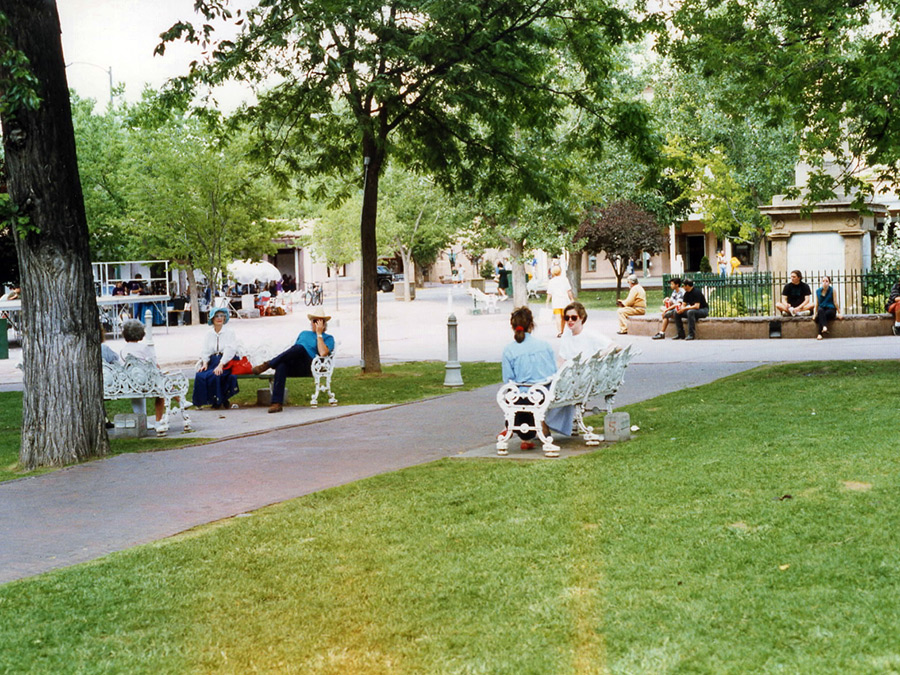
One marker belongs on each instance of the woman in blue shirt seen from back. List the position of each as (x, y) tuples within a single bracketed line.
[(529, 360)]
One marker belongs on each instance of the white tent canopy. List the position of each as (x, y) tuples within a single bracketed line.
[(246, 272)]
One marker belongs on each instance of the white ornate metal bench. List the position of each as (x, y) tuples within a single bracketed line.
[(576, 383), (322, 368), (483, 301), (137, 378)]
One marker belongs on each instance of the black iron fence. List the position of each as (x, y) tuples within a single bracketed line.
[(755, 293)]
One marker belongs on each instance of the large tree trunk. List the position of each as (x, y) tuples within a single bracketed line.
[(63, 417), (374, 158)]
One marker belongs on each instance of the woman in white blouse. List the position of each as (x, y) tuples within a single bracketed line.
[(214, 384)]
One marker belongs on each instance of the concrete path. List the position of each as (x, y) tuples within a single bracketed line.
[(87, 511)]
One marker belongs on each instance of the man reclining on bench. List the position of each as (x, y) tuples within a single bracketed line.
[(297, 361)]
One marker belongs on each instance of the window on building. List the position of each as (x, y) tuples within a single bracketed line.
[(592, 263)]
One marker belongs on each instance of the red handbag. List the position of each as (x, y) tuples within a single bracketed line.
[(240, 366)]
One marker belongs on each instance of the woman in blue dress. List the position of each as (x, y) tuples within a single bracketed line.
[(214, 383)]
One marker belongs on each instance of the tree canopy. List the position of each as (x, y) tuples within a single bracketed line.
[(728, 162), (829, 67), (622, 230), (445, 87)]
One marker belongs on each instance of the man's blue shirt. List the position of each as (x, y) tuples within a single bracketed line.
[(307, 340)]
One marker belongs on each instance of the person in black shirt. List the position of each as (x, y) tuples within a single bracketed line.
[(796, 297), (694, 306)]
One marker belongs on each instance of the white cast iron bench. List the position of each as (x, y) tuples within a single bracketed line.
[(137, 378), (483, 301), (322, 368), (576, 383)]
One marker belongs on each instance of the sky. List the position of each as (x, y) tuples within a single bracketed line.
[(121, 34)]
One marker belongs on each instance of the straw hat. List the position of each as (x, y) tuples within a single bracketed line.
[(318, 313)]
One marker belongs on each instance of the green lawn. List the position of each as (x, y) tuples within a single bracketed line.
[(606, 299), (398, 383), (749, 527)]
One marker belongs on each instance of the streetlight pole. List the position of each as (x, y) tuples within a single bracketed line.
[(108, 71)]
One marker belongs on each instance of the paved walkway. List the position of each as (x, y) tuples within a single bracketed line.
[(86, 511)]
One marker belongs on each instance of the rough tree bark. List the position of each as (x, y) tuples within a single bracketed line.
[(63, 417)]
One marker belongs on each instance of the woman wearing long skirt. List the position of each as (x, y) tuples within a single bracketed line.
[(214, 383)]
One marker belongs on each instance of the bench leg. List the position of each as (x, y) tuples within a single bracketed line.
[(162, 425), (319, 375), (587, 433), (503, 438), (185, 418), (550, 449)]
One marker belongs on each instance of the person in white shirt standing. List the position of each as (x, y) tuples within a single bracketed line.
[(559, 294)]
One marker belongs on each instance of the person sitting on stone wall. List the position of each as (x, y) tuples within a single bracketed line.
[(669, 305), (796, 297), (634, 304), (694, 307)]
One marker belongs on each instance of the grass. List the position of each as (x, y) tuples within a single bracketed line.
[(11, 429), (679, 551), (398, 383), (606, 299)]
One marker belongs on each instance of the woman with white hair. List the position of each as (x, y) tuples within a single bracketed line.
[(634, 304), (133, 331)]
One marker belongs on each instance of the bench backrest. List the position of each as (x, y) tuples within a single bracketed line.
[(137, 378), (587, 377)]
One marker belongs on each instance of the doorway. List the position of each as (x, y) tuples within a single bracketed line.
[(696, 249)]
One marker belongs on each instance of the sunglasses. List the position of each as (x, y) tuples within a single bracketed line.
[(572, 317)]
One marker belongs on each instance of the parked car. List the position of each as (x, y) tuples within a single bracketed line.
[(385, 279)]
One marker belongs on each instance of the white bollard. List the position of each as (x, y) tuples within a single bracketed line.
[(148, 327), (452, 371)]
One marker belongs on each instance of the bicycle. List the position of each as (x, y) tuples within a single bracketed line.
[(315, 294)]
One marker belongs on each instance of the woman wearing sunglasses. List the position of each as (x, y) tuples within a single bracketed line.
[(576, 340)]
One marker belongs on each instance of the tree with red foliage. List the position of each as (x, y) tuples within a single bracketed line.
[(622, 231)]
